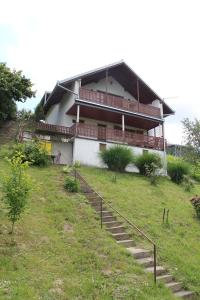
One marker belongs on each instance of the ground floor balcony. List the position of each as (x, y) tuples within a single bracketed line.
[(103, 134)]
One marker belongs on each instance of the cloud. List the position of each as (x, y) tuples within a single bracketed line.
[(51, 40)]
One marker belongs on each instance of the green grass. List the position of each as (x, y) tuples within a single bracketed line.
[(59, 252), (179, 241)]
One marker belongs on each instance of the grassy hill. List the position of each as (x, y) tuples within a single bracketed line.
[(59, 252), (179, 241)]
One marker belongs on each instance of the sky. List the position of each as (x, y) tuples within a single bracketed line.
[(158, 39)]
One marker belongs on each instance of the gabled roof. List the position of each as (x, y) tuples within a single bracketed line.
[(122, 73)]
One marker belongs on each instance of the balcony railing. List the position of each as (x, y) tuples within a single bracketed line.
[(119, 102), (55, 129), (118, 136), (103, 134)]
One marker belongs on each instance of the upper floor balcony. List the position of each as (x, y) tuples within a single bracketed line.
[(118, 102)]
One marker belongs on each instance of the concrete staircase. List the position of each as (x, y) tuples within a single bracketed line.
[(119, 232)]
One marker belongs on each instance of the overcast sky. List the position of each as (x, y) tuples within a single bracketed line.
[(52, 40)]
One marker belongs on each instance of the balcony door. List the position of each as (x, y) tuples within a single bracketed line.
[(101, 132)]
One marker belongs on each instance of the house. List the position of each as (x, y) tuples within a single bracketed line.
[(176, 149), (100, 108)]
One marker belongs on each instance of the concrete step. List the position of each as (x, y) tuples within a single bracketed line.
[(174, 286), (109, 224), (139, 253), (86, 191), (159, 270), (109, 219), (105, 213), (184, 294), (126, 243), (91, 197), (121, 236), (117, 229), (96, 205), (165, 278), (145, 262)]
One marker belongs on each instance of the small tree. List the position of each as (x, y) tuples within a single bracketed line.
[(151, 172), (16, 189), (75, 168), (192, 139)]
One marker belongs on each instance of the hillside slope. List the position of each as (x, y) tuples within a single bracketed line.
[(179, 241), (59, 252)]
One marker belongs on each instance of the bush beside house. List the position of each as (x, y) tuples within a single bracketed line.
[(117, 158), (177, 168)]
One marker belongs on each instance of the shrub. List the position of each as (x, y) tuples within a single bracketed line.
[(71, 185), (151, 172), (16, 189), (188, 183), (177, 168), (117, 157), (196, 204), (148, 163), (195, 171), (67, 169), (32, 152)]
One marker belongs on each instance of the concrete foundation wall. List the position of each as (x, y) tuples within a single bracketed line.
[(87, 152)]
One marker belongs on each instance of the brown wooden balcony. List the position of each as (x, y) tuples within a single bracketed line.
[(118, 136), (54, 129), (103, 134), (119, 102)]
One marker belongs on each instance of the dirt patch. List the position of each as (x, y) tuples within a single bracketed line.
[(68, 228)]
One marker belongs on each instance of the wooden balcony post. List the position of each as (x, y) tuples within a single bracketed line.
[(77, 119), (77, 113), (138, 94), (123, 124), (106, 85)]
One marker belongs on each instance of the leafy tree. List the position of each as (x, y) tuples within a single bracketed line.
[(24, 115), (14, 87), (16, 189), (39, 112), (192, 139)]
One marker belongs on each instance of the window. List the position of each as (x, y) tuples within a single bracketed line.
[(117, 127), (130, 130), (102, 146), (101, 125), (80, 121), (139, 131), (145, 151)]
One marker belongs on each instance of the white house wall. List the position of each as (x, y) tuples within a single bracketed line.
[(57, 113), (53, 114), (87, 152), (66, 152)]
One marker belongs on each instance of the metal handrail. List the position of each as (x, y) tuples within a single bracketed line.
[(127, 221)]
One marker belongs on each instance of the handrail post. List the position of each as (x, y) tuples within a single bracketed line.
[(101, 213), (154, 261)]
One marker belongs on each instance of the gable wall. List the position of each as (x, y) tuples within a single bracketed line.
[(113, 87)]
